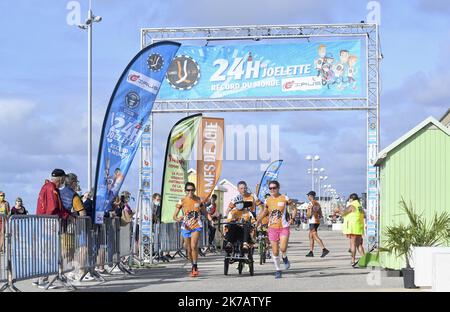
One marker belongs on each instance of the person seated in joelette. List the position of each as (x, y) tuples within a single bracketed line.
[(252, 201), (241, 214)]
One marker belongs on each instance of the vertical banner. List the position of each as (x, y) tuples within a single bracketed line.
[(270, 174), (146, 179), (128, 111), (179, 147), (209, 156)]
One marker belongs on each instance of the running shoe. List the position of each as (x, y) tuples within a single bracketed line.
[(72, 276), (194, 272), (286, 262), (88, 278), (38, 282), (44, 285), (310, 254), (354, 264), (324, 252), (278, 274)]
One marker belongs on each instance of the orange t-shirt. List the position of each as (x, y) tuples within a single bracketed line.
[(277, 207), (191, 211), (240, 216)]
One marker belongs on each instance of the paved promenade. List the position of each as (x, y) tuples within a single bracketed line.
[(330, 274)]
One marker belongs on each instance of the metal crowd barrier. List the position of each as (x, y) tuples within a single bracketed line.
[(168, 237), (112, 241), (125, 240), (34, 245), (203, 240), (97, 252), (67, 234), (3, 250), (83, 243)]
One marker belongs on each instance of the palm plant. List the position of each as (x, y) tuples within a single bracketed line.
[(419, 232)]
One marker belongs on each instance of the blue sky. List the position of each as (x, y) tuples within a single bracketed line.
[(43, 66)]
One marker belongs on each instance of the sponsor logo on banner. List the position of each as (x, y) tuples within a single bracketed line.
[(132, 99), (143, 82), (301, 84)]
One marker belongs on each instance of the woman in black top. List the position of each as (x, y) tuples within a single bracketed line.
[(19, 209)]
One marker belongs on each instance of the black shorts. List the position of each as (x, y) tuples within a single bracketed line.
[(313, 226)]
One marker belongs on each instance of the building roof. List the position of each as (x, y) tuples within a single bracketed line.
[(430, 120), (225, 181), (445, 120), (192, 170)]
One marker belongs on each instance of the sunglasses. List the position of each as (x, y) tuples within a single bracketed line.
[(273, 188), (190, 190)]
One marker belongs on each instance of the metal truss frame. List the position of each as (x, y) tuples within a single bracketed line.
[(369, 103)]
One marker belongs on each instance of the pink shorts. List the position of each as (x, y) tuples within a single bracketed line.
[(274, 234)]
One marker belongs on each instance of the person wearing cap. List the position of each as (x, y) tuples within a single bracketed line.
[(314, 214), (49, 203), (19, 209), (49, 200)]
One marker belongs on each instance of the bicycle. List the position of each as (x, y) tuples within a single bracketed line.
[(263, 245)]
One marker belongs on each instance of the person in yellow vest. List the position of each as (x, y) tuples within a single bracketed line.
[(353, 226), (276, 207), (191, 226)]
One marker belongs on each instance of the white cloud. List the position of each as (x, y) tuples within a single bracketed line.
[(15, 110)]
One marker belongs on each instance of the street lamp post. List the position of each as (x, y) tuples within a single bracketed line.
[(312, 159), (88, 25), (320, 179)]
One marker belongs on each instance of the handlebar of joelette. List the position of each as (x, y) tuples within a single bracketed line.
[(236, 223)]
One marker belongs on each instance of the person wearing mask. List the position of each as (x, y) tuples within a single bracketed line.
[(156, 218), (314, 214), (248, 197), (19, 209), (354, 228), (49, 203), (241, 214), (156, 202), (88, 205), (191, 227), (4, 210)]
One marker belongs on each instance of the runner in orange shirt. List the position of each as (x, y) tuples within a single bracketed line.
[(276, 207), (192, 208)]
